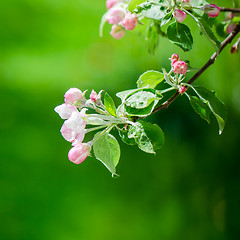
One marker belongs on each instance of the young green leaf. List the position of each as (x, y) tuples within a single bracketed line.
[(142, 112), (180, 35), (124, 136), (152, 39), (107, 150), (156, 12), (166, 18), (109, 105), (150, 79), (133, 4), (124, 94), (200, 108), (216, 106), (141, 99), (149, 137)]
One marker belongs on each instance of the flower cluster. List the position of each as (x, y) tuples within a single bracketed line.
[(73, 111), (120, 18)]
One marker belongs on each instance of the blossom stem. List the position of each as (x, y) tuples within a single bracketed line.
[(227, 41)]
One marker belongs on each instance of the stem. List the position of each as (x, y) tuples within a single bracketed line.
[(235, 10), (227, 41)]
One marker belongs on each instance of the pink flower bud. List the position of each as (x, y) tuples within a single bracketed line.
[(73, 95), (79, 153), (115, 15), (182, 89), (94, 96), (212, 10), (130, 21), (65, 110), (180, 67), (174, 58), (185, 0), (230, 27), (111, 3), (179, 15), (117, 31)]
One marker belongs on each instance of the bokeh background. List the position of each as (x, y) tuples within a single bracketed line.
[(189, 190)]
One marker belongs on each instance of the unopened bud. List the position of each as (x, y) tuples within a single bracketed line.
[(235, 47), (179, 15), (182, 89), (180, 67), (73, 95), (211, 10), (117, 31), (230, 27), (115, 15), (79, 153), (130, 21), (174, 58)]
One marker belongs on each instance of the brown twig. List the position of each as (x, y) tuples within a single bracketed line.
[(203, 69), (234, 10)]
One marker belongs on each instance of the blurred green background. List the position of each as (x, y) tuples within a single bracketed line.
[(189, 190)]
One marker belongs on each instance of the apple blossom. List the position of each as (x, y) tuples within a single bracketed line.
[(115, 15), (130, 21), (79, 153), (230, 27), (65, 110), (73, 95), (211, 10), (180, 67), (117, 31), (174, 58), (179, 15)]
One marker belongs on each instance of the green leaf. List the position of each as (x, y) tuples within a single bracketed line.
[(124, 136), (200, 108), (149, 137), (150, 79), (180, 35), (220, 30), (141, 99), (156, 12), (166, 18), (140, 112), (124, 94), (152, 39), (109, 105), (107, 150), (207, 31), (216, 106), (133, 4), (198, 3)]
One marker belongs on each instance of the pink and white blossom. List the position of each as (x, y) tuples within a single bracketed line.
[(79, 153), (71, 135), (65, 110), (115, 15), (179, 15), (76, 122), (130, 21), (180, 67), (73, 95), (117, 31), (211, 10)]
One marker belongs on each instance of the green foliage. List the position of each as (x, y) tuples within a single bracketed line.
[(149, 137), (180, 34), (216, 106), (107, 150), (200, 108), (150, 79), (152, 38), (109, 105), (133, 4)]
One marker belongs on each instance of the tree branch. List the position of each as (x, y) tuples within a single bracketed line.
[(203, 69), (234, 10)]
